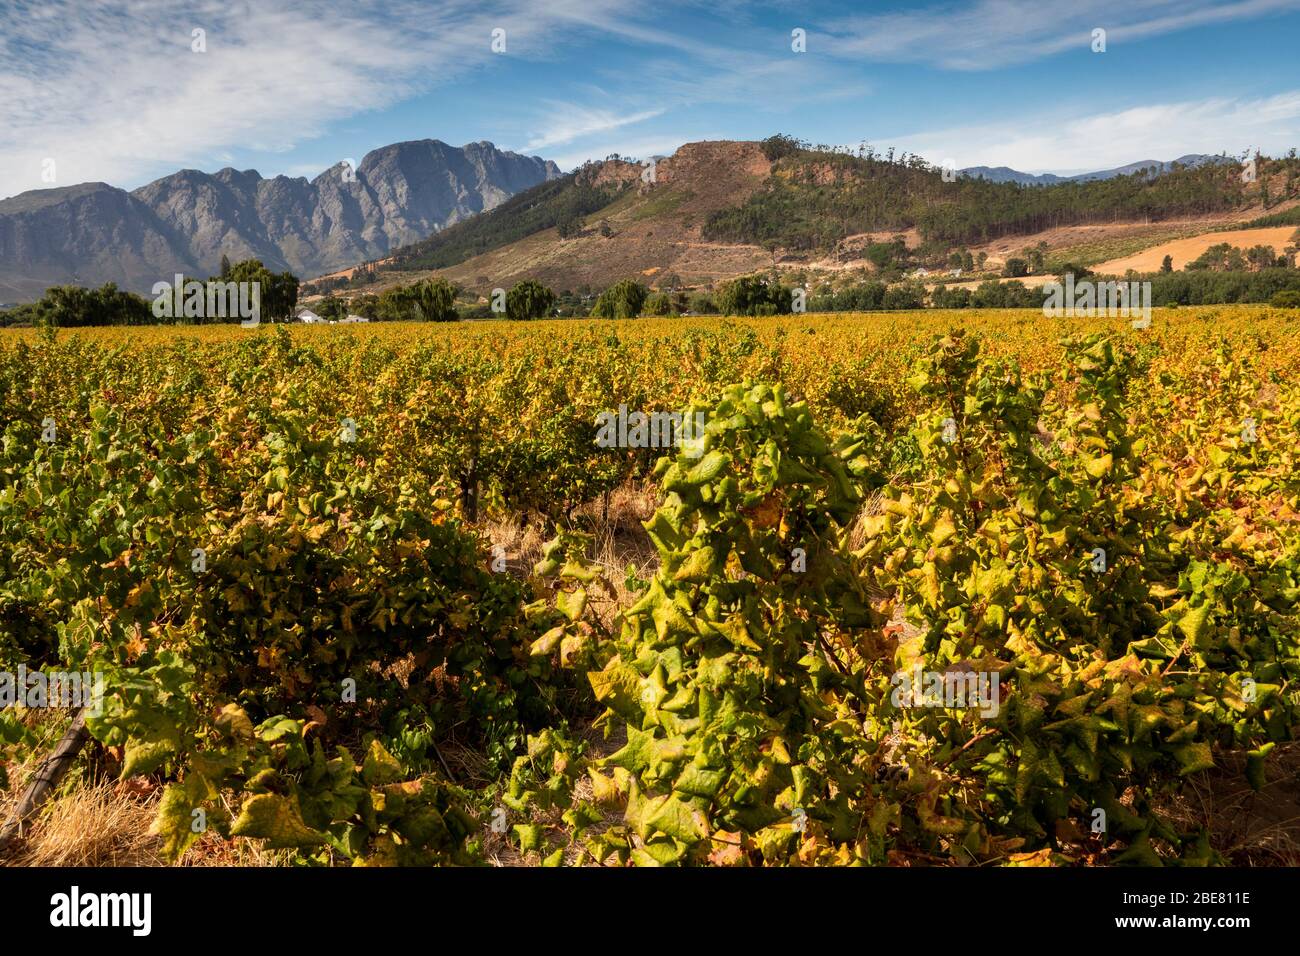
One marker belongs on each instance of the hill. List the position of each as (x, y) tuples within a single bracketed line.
[(714, 210)]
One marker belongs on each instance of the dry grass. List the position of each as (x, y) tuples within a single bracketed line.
[(96, 821), (94, 824), (1248, 828), (618, 541)]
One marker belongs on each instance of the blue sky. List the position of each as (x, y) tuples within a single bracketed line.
[(116, 91)]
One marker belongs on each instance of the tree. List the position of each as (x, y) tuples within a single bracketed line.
[(529, 299), (1222, 257), (772, 247), (395, 304), (622, 300), (1167, 265), (568, 226), (659, 304), (1261, 257), (701, 304), (1038, 257), (434, 300), (906, 295), (278, 292), (366, 305), (225, 266), (754, 295), (331, 308), (71, 306), (884, 254), (779, 146), (1016, 268), (945, 298)]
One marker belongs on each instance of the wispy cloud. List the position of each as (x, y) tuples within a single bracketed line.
[(1161, 131), (115, 91), (997, 33), (672, 85), (565, 122)]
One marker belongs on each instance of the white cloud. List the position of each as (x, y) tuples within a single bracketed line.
[(114, 92), (995, 33), (1102, 141), (787, 83), (566, 122)]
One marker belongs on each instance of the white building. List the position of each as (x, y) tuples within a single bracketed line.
[(310, 317), (353, 318)]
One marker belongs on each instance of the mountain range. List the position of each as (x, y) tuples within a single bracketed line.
[(1155, 167), (717, 208), (93, 233)]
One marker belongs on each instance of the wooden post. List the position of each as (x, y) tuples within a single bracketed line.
[(46, 779)]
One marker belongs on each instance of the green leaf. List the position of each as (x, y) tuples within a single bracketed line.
[(546, 644), (276, 819), (675, 818), (530, 836), (380, 766), (1195, 623), (1194, 757), (617, 687), (234, 722), (571, 603), (144, 757), (698, 567), (174, 822), (1255, 766)]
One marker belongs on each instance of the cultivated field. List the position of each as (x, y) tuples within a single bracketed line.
[(950, 588), (1188, 249)]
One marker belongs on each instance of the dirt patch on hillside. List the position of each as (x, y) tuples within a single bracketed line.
[(655, 231), (1183, 251)]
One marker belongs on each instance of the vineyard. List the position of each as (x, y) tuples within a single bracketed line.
[(931, 588)]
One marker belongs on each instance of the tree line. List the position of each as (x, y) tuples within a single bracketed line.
[(71, 306)]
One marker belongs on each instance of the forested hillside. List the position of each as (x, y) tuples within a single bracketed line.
[(550, 204), (816, 197)]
